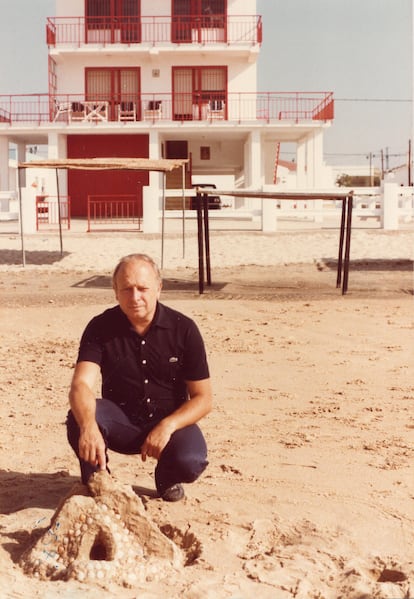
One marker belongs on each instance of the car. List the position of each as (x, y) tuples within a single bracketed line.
[(214, 201)]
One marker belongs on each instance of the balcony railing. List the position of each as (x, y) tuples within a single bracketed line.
[(156, 30), (267, 107)]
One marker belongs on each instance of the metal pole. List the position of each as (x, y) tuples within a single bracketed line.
[(207, 237), (19, 172), (59, 214), (341, 244), (347, 243), (163, 220), (200, 244), (183, 216)]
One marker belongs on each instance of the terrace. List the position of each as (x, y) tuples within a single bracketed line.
[(154, 30), (262, 107)]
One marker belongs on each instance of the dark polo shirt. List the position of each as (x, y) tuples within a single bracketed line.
[(145, 375)]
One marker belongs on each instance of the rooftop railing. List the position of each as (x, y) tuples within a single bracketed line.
[(154, 30), (267, 107)]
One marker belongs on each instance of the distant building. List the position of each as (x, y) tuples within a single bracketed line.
[(163, 78)]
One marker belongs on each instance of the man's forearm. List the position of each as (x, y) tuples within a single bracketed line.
[(83, 404)]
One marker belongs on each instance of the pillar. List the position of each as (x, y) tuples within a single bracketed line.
[(301, 164), (57, 148), (389, 216), (4, 164), (152, 194)]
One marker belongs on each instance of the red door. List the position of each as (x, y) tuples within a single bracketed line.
[(195, 89), (84, 183), (113, 21), (118, 86), (189, 17)]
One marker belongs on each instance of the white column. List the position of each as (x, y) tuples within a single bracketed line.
[(255, 160), (152, 194), (57, 148), (4, 164), (316, 170), (389, 216), (317, 158), (301, 164)]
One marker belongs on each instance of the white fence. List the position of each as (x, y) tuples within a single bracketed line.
[(391, 205)]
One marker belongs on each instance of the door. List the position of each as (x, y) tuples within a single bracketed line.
[(113, 21), (120, 87), (196, 89), (190, 17), (82, 183)]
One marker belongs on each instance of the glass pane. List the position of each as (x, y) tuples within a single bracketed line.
[(98, 84), (129, 8), (98, 8)]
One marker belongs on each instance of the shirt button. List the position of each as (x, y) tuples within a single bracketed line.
[(148, 399), (143, 342), (150, 415), (146, 381), (144, 361)]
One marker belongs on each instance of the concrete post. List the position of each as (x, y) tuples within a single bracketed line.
[(28, 216), (301, 165), (4, 164), (152, 194), (389, 216), (269, 222), (57, 148)]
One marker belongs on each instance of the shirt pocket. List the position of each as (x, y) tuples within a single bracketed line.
[(174, 369)]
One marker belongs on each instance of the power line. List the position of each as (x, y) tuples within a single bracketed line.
[(390, 100)]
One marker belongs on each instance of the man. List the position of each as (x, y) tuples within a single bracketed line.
[(155, 383)]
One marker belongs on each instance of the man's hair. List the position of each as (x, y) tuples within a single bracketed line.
[(136, 258)]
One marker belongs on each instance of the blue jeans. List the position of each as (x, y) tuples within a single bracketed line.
[(183, 459)]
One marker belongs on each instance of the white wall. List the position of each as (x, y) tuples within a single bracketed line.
[(70, 8), (242, 7)]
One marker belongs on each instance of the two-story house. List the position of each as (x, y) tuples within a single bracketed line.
[(162, 78)]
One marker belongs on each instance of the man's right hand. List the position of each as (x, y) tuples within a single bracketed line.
[(92, 446)]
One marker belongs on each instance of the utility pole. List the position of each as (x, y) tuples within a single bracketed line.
[(370, 170), (382, 165), (387, 160), (409, 164)]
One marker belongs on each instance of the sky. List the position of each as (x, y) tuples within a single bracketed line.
[(361, 50)]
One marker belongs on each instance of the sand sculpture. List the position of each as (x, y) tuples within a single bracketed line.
[(101, 532)]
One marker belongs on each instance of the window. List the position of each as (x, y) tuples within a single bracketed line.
[(194, 88), (204, 152), (121, 17), (190, 16), (116, 86)]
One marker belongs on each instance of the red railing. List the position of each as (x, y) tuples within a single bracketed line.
[(268, 107), (113, 211), (48, 211), (153, 30)]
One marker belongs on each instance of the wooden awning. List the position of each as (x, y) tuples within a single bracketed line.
[(136, 164)]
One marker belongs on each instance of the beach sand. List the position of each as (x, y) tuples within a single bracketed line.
[(309, 491)]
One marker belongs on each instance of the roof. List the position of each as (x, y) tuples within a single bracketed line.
[(141, 164)]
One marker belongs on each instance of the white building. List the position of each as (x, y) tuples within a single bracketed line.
[(162, 78)]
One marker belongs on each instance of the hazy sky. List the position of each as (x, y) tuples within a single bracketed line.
[(359, 49)]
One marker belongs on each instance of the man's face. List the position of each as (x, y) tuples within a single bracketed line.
[(137, 289)]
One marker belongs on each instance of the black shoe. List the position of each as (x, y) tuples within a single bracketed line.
[(173, 493)]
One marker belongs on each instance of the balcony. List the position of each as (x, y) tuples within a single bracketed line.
[(154, 31), (212, 107)]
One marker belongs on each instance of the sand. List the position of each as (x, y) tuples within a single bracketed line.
[(309, 492)]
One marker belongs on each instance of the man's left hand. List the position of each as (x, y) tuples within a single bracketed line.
[(156, 441)]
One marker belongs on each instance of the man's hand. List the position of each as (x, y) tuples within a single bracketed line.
[(156, 440), (92, 446)]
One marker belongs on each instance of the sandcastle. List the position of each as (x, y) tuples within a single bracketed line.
[(102, 533)]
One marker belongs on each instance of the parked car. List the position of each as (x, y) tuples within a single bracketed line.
[(214, 201)]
